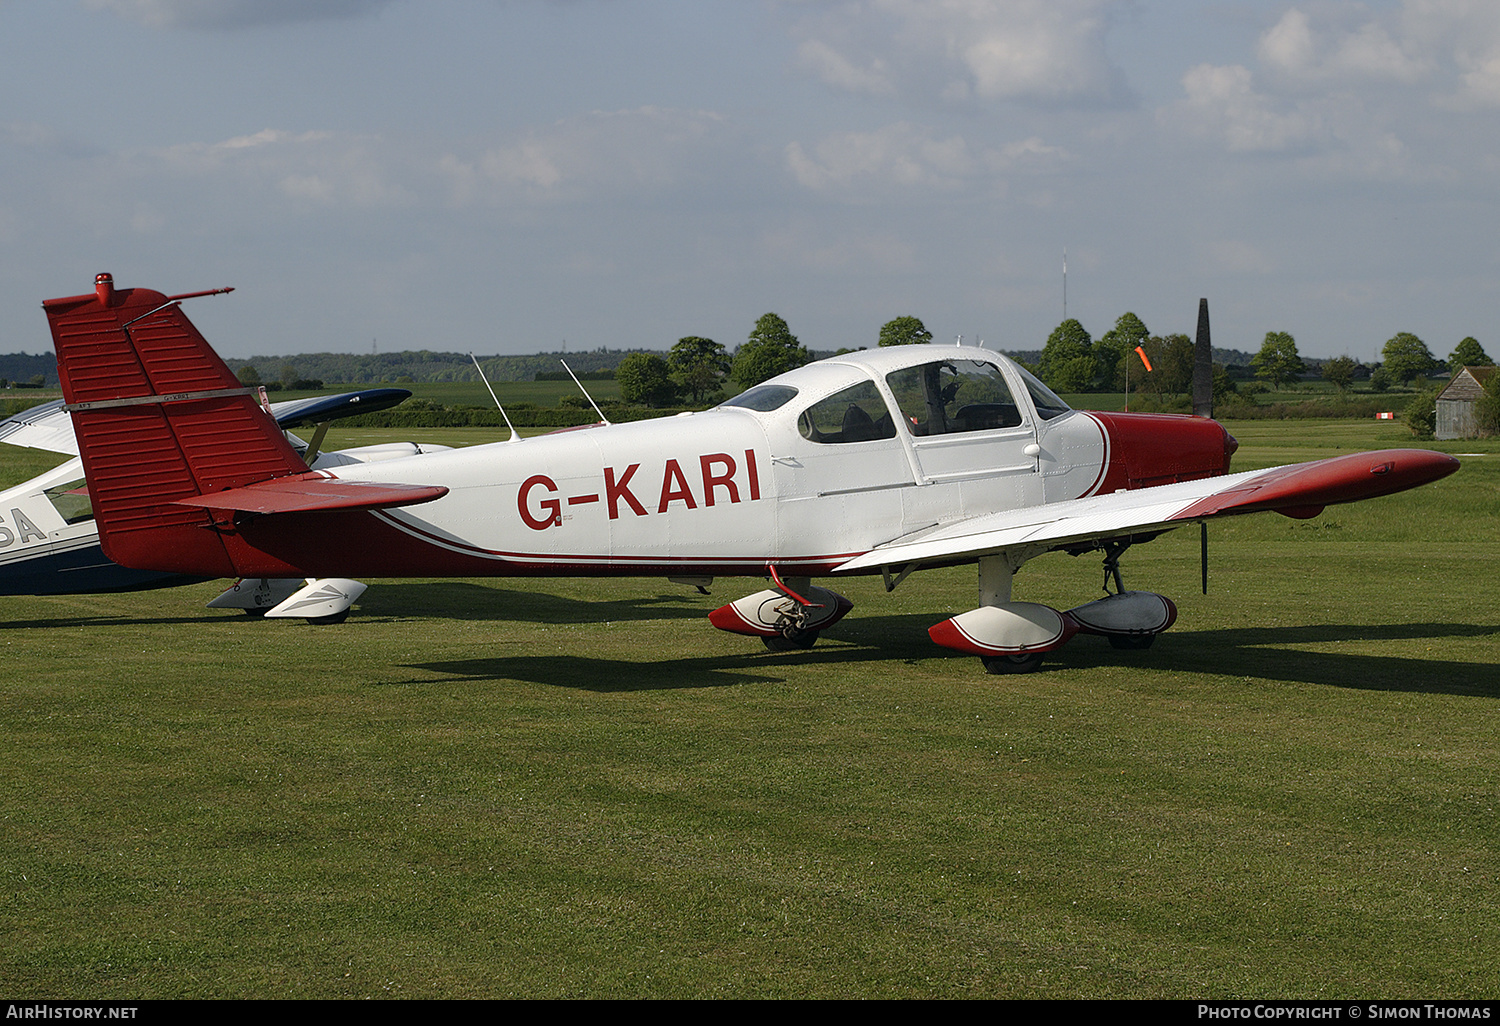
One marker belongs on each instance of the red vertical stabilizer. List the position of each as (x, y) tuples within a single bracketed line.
[(158, 417)]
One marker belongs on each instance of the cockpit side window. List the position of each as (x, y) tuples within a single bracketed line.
[(952, 396), (854, 414)]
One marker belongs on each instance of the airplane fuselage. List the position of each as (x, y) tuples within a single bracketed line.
[(727, 491)]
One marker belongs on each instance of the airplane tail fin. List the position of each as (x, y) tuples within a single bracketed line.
[(158, 417)]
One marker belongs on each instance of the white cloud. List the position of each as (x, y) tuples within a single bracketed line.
[(231, 14), (1300, 49), (896, 155), (1451, 45), (1467, 32), (329, 168), (608, 152), (958, 50), (902, 156), (838, 70), (1222, 102)]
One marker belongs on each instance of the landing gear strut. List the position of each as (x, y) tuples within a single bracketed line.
[(1007, 636), (1130, 620)]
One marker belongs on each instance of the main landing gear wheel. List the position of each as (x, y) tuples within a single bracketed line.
[(339, 617), (1131, 642), (791, 641), (1021, 662)]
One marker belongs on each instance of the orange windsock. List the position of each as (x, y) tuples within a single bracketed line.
[(1142, 353)]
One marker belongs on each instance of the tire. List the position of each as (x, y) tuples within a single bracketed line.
[(1021, 662), (331, 619), (793, 642), (1131, 642)]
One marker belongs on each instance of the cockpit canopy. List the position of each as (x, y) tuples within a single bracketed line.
[(929, 390)]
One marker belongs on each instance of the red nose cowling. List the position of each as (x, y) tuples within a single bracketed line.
[(1151, 449)]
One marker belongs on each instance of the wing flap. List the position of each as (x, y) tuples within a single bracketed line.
[(1298, 490), (313, 494)]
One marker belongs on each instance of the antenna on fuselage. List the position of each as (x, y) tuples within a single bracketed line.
[(602, 418), (515, 436)]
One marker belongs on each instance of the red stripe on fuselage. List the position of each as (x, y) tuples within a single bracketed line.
[(380, 544)]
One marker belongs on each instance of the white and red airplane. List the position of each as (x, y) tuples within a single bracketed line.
[(883, 462)]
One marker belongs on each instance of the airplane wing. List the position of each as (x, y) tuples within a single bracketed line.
[(1300, 491), (48, 426), (317, 408)]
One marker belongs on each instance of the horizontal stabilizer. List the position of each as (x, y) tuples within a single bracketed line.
[(313, 494)]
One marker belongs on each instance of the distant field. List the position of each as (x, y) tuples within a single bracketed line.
[(578, 788)]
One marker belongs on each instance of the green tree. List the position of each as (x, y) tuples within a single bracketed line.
[(904, 331), (1407, 358), (1277, 361), (1469, 353), (698, 365), (1339, 372), (1421, 412), (1224, 385), (1068, 363), (248, 375), (1487, 408), (770, 350), (644, 379), (1171, 371), (1129, 331)]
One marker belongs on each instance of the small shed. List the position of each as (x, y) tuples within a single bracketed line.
[(1455, 403)]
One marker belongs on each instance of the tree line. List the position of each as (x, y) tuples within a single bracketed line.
[(1129, 355), (698, 370)]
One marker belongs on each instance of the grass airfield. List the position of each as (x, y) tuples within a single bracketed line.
[(578, 788)]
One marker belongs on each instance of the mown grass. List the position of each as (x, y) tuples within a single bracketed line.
[(579, 788)]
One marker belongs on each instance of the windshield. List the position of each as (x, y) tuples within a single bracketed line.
[(1048, 405), (764, 398)]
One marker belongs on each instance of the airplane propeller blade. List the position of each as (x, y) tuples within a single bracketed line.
[(1203, 366)]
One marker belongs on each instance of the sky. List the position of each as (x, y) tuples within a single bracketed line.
[(515, 176)]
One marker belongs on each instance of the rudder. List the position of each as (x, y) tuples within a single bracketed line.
[(158, 417)]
